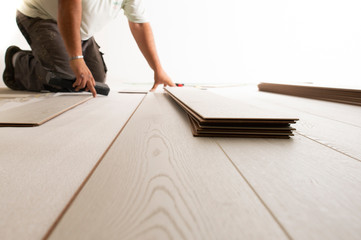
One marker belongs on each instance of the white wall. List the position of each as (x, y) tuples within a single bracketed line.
[(235, 41)]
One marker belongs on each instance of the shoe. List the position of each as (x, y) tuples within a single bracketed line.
[(9, 74)]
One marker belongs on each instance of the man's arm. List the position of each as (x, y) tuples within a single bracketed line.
[(69, 20), (143, 35)]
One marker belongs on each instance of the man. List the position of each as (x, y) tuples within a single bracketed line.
[(60, 34)]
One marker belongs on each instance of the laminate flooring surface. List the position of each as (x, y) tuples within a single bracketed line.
[(311, 189), (41, 168), (159, 182)]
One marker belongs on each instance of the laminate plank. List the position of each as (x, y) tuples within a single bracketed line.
[(5, 90), (210, 106), (35, 113), (41, 168), (313, 190), (158, 182), (331, 129), (236, 133)]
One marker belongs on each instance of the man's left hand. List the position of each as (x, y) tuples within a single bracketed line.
[(161, 77)]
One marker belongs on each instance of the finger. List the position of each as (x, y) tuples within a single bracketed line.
[(85, 81), (92, 90), (78, 80), (154, 87), (79, 87)]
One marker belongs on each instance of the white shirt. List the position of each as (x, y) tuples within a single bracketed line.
[(96, 13)]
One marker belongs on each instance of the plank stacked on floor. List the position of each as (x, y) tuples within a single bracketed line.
[(39, 109), (212, 115), (341, 95)]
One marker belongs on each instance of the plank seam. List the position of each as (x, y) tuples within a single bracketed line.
[(77, 192), (257, 195), (359, 160)]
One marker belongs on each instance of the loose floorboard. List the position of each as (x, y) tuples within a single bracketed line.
[(37, 113), (34, 110), (311, 189), (210, 106), (206, 108), (41, 168), (159, 182), (339, 134)]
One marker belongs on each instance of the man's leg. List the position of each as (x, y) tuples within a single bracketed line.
[(48, 54), (94, 59)]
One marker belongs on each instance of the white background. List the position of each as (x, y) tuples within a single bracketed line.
[(232, 41)]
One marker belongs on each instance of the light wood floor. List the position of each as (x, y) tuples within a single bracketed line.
[(156, 181)]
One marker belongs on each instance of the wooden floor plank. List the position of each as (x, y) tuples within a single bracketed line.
[(42, 110), (334, 125), (41, 168), (313, 190), (208, 105), (159, 182)]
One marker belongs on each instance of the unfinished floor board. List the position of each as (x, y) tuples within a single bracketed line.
[(323, 128), (158, 182), (34, 111), (41, 168), (313, 190)]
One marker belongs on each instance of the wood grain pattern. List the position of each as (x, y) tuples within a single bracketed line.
[(41, 168), (313, 190), (324, 122), (158, 182), (42, 110)]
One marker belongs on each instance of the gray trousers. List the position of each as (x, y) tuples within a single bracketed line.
[(49, 56)]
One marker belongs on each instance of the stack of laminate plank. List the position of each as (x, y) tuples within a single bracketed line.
[(212, 115), (333, 94)]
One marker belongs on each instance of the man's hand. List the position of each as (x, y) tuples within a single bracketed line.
[(143, 35), (84, 78), (161, 77), (69, 20)]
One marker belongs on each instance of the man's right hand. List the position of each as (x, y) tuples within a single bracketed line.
[(84, 78)]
